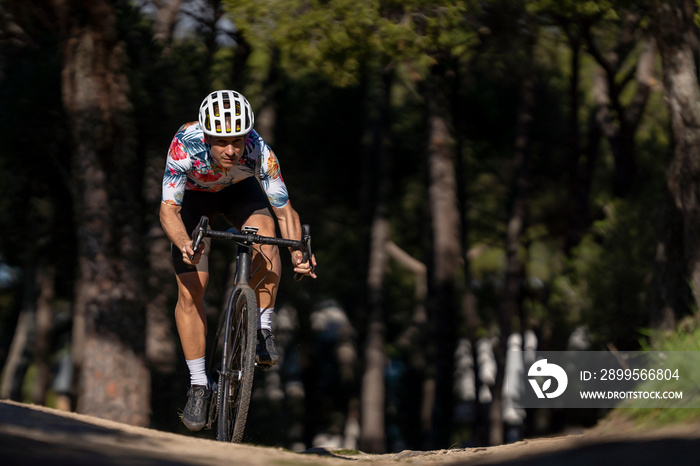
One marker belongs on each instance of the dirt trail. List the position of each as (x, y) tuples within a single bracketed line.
[(32, 435)]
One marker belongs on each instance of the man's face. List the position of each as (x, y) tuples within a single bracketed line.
[(226, 151)]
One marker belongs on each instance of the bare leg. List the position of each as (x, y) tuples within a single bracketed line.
[(265, 273), (189, 313)]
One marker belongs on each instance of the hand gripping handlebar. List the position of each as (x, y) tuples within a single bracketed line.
[(198, 234), (305, 250)]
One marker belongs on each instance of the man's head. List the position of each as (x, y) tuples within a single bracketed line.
[(226, 114), (226, 151)]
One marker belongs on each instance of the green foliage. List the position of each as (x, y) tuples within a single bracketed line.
[(610, 270), (339, 38), (573, 10), (674, 344), (221, 72), (322, 36)]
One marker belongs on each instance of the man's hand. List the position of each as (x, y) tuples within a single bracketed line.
[(188, 252), (303, 268)]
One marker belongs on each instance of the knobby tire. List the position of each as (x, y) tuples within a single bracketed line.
[(238, 357)]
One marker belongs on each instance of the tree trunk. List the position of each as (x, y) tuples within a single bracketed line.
[(584, 166), (583, 160), (17, 361), (670, 297), (43, 334), (109, 340), (419, 269), (620, 133), (21, 349), (373, 436), (166, 20), (161, 341), (609, 117), (447, 256), (676, 39), (511, 307), (415, 336)]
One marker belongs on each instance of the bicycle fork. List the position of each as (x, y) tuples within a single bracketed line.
[(225, 378)]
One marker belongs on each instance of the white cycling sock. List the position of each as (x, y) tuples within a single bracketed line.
[(198, 372), (265, 318)]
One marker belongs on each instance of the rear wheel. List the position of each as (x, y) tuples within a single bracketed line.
[(238, 365)]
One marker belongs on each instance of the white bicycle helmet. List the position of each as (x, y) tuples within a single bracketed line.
[(220, 106)]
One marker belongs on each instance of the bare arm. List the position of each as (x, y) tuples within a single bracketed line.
[(290, 228), (288, 220), (175, 230)]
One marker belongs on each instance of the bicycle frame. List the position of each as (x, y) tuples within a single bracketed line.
[(242, 297)]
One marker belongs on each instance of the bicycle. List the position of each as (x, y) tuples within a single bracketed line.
[(235, 340)]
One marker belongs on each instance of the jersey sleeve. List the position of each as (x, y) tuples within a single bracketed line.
[(271, 179), (175, 177)]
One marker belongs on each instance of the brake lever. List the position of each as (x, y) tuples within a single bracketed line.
[(306, 253), (198, 234)]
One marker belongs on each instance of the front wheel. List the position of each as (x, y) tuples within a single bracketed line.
[(238, 365)]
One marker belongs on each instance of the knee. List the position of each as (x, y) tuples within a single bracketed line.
[(190, 295), (188, 304), (187, 297)]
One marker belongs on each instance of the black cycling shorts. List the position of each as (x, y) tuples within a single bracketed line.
[(236, 203)]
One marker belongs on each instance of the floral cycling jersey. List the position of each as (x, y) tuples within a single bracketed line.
[(191, 166)]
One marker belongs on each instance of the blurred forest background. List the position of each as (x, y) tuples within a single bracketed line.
[(478, 175)]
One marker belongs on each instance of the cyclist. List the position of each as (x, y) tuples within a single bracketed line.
[(219, 165)]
